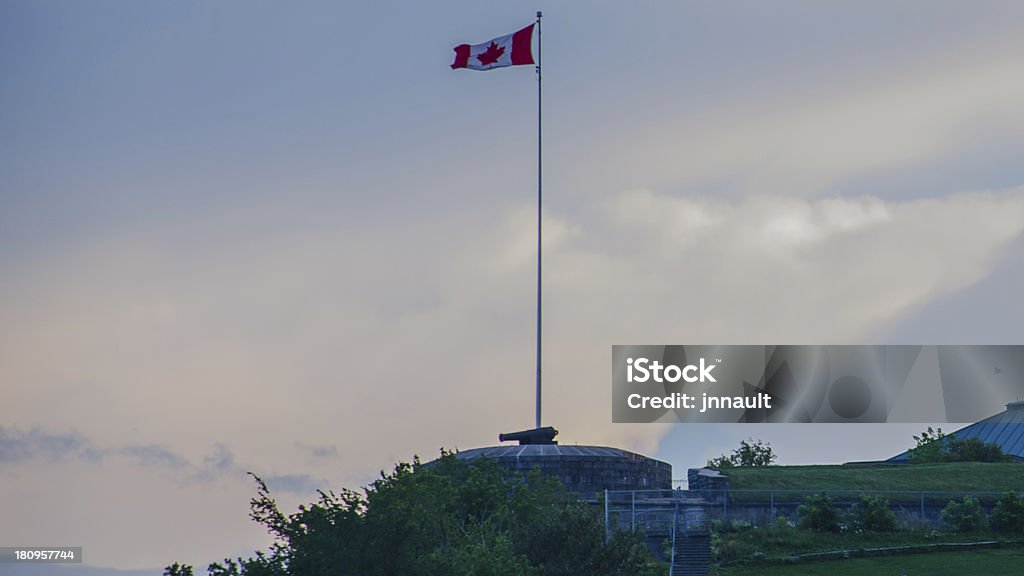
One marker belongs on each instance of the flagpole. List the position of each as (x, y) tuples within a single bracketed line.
[(539, 196)]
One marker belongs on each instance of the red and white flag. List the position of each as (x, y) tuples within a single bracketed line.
[(510, 50)]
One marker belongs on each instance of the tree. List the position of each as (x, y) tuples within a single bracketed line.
[(928, 448), (750, 453), (178, 570), (446, 517), (936, 446), (721, 462)]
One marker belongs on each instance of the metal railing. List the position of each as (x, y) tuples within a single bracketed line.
[(653, 511)]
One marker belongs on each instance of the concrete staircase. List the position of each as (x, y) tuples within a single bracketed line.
[(691, 554), (691, 540)]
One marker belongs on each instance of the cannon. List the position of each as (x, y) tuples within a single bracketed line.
[(545, 435)]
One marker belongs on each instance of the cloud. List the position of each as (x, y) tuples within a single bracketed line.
[(221, 460), (153, 455), (756, 269), (302, 484), (20, 446), (783, 268), (318, 451), (290, 335), (791, 137)]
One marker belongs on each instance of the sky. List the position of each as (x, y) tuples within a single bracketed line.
[(286, 238)]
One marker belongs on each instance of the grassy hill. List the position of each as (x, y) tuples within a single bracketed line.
[(1000, 561), (954, 476)]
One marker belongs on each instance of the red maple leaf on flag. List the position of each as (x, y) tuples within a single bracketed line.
[(491, 55)]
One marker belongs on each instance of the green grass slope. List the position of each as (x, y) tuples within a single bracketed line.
[(954, 476), (1003, 561)]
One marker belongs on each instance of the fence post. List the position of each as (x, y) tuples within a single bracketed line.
[(607, 528), (675, 527), (923, 517), (632, 521)]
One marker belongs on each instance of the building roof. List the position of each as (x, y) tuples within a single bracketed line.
[(586, 470), (544, 450), (1005, 430)]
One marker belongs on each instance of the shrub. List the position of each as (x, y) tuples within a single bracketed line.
[(871, 513), (741, 525), (1008, 515), (818, 513), (723, 550), (974, 450), (963, 516), (937, 446)]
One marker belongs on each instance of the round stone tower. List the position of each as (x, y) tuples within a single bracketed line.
[(586, 470)]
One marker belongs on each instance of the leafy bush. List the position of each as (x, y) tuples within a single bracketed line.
[(1008, 515), (819, 514), (723, 550), (974, 450), (750, 453), (965, 516), (871, 513)]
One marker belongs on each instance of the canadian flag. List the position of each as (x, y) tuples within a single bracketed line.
[(510, 50)]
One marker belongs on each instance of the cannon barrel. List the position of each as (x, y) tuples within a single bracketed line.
[(545, 435)]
